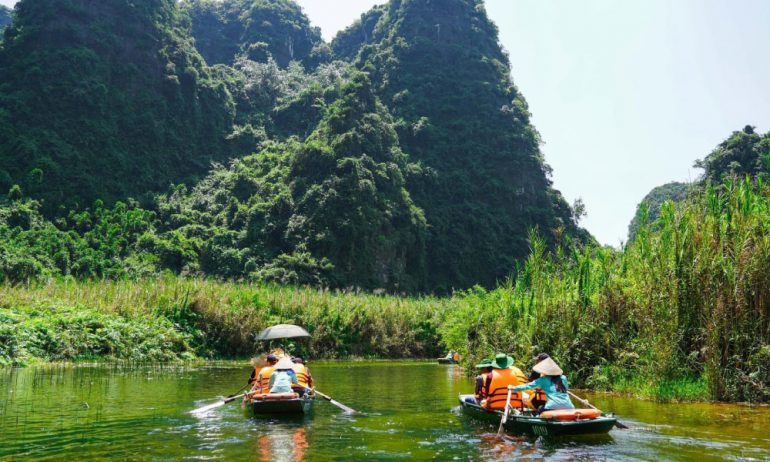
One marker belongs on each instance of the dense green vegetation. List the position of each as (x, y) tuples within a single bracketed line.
[(401, 157), (105, 101), (745, 152), (256, 30), (441, 71), (648, 210), (167, 318), (682, 311)]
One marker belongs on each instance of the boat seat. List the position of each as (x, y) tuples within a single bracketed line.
[(276, 396)]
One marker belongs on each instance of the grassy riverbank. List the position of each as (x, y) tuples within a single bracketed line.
[(177, 318)]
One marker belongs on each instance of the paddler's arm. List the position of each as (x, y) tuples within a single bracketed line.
[(527, 386)]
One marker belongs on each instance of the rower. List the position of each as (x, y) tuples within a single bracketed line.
[(553, 383), (259, 363), (538, 397), (304, 379), (263, 375)]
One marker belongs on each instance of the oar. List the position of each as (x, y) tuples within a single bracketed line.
[(585, 402), (336, 403), (505, 414), (242, 388), (203, 409)]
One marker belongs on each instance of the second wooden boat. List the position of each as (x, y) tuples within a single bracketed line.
[(539, 426)]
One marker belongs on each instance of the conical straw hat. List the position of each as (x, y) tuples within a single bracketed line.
[(284, 364), (548, 367)]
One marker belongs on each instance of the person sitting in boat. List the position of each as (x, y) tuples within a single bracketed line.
[(260, 363), (504, 374), (282, 379), (537, 396), (262, 366), (261, 385), (304, 379), (553, 383), (486, 370)]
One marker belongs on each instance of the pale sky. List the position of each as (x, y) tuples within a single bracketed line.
[(626, 95)]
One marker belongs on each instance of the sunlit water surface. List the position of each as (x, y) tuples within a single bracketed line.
[(411, 413)]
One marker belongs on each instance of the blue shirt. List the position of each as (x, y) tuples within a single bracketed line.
[(281, 381), (556, 399)]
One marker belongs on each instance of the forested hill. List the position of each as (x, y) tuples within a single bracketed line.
[(440, 69), (745, 153), (105, 100), (400, 156), (254, 29)]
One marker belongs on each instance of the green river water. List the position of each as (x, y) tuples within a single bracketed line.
[(113, 412)]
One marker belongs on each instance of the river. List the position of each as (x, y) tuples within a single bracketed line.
[(99, 412)]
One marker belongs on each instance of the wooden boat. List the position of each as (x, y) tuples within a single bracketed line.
[(539, 426), (283, 403)]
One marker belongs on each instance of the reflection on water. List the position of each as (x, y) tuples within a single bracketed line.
[(411, 413)]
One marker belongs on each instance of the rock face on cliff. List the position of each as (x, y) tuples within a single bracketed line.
[(256, 29), (439, 68), (105, 100)]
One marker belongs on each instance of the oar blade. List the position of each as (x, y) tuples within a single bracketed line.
[(343, 407), (205, 409), (336, 403)]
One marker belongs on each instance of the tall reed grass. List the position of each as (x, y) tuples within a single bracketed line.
[(221, 319), (687, 302)]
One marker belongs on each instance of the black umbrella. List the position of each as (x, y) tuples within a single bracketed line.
[(282, 331)]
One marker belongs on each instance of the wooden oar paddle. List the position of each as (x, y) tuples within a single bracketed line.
[(204, 409), (504, 419), (585, 402), (336, 403)]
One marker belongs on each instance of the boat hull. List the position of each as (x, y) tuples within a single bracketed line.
[(446, 361), (538, 426), (296, 406)]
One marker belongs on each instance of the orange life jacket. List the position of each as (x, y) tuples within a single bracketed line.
[(264, 378), (536, 395), (497, 388), (253, 380), (303, 375)]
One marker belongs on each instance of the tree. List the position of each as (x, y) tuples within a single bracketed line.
[(744, 153)]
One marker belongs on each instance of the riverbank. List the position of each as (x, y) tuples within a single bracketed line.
[(176, 319), (173, 318)]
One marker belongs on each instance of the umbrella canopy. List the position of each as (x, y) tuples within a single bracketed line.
[(282, 331)]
